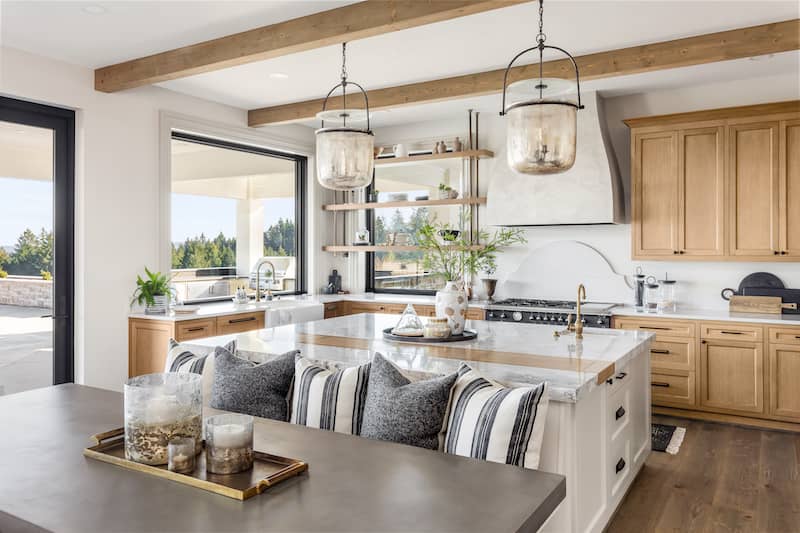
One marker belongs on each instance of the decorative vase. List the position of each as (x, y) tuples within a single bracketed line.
[(451, 303), (489, 285), (457, 145), (159, 306)]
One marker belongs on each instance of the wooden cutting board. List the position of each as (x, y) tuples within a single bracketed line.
[(759, 304)]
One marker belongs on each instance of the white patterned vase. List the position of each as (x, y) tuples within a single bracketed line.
[(451, 303)]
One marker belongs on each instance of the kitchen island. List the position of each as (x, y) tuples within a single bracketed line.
[(597, 431)]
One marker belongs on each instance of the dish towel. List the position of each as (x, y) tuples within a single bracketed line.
[(293, 315)]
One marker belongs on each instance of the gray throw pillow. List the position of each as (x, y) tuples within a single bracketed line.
[(399, 410), (243, 386)]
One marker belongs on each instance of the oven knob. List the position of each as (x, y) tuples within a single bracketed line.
[(517, 316), (552, 319), (502, 316), (491, 315), (532, 317), (583, 321), (600, 320)]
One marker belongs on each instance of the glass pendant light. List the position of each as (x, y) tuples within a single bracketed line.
[(541, 126), (345, 156)]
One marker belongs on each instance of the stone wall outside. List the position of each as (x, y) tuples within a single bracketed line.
[(26, 292)]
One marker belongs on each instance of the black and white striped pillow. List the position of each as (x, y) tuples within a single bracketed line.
[(329, 398), (496, 423), (181, 358)]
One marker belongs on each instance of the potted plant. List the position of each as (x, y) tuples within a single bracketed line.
[(153, 292), (449, 255), (447, 192)]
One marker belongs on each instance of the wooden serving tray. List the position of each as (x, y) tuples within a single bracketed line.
[(268, 470), (467, 335)]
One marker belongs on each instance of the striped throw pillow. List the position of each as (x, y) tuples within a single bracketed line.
[(181, 358), (329, 398), (495, 423)]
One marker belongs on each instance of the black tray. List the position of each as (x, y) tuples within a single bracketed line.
[(468, 335)]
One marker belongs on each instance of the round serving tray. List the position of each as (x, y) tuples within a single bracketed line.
[(468, 335)]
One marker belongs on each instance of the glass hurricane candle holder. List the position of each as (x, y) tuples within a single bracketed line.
[(181, 452), (541, 137), (158, 409), (229, 443)]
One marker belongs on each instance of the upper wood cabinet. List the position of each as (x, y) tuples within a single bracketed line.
[(717, 185)]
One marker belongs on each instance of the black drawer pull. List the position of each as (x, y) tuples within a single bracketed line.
[(201, 328), (661, 352), (659, 384), (620, 412), (797, 336), (732, 332), (620, 465), (239, 320), (621, 375), (655, 327)]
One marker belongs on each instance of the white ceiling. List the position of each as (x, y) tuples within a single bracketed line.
[(469, 44)]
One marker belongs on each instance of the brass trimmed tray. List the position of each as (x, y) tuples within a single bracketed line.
[(268, 470), (467, 335)]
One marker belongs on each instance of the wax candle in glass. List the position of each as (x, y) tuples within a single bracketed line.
[(229, 443), (181, 455)]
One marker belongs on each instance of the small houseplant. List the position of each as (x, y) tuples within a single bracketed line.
[(152, 292), (447, 192)]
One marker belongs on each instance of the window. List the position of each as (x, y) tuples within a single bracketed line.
[(232, 205), (401, 271)]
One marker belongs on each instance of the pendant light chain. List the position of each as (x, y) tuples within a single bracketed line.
[(344, 84), (541, 38)]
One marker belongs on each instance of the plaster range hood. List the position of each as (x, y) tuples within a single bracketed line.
[(588, 193)]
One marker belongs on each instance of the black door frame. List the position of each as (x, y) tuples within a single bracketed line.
[(62, 123)]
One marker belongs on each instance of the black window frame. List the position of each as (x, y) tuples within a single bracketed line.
[(62, 123), (300, 173)]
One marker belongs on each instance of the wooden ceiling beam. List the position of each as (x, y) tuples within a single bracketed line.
[(698, 50), (347, 23)]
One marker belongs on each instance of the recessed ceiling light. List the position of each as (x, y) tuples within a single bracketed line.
[(278, 76), (94, 9)]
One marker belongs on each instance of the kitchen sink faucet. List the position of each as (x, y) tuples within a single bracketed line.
[(260, 263)]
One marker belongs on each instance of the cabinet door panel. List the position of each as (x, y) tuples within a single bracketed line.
[(655, 189), (732, 376), (790, 188), (701, 184), (753, 202), (784, 370)]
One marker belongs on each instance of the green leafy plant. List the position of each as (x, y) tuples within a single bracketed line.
[(444, 187), (448, 253), (3, 273), (155, 284), (47, 276)]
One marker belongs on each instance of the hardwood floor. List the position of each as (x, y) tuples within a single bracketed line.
[(725, 478)]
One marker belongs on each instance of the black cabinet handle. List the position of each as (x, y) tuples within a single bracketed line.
[(620, 465), (776, 252), (610, 381), (659, 384), (620, 412), (662, 352), (238, 320), (732, 332), (622, 375), (654, 327), (201, 328)]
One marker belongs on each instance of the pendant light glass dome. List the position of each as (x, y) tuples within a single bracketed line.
[(541, 127), (345, 155)]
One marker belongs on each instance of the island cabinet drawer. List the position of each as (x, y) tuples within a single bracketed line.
[(674, 388), (195, 329), (618, 416), (619, 465), (784, 335), (661, 327), (240, 323), (731, 332), (673, 354)]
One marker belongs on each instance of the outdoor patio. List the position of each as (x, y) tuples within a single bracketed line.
[(26, 349)]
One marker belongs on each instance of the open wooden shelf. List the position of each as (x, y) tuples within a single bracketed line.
[(404, 203), (480, 154), (382, 248)]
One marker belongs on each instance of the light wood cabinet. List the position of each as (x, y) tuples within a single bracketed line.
[(333, 309), (239, 323), (732, 375), (355, 307), (717, 185), (195, 329), (784, 379), (148, 341)]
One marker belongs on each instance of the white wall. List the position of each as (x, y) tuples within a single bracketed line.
[(550, 265), (117, 201)]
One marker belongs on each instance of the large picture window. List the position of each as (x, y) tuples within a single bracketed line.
[(232, 205)]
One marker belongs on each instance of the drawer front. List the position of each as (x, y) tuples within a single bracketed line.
[(476, 314), (731, 332), (239, 323), (673, 389), (195, 329), (673, 355), (366, 307), (426, 310), (332, 310), (662, 328), (618, 415), (784, 335), (619, 465)]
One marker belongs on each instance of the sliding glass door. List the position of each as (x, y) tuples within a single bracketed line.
[(37, 145)]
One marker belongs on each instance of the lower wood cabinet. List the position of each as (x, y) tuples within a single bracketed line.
[(732, 375), (354, 307), (784, 378), (240, 323), (673, 388)]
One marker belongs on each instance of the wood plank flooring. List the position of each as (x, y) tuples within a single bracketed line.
[(725, 478)]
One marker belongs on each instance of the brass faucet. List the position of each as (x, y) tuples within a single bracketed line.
[(578, 327)]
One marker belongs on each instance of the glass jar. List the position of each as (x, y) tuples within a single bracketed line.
[(181, 452), (436, 328), (229, 443), (668, 301), (651, 297), (160, 408)]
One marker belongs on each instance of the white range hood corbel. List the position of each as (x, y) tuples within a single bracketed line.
[(588, 193)]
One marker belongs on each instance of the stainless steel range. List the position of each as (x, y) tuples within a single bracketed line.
[(553, 312)]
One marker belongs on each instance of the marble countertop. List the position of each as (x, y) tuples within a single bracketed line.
[(507, 352), (722, 315)]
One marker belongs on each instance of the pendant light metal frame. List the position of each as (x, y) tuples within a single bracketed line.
[(343, 85)]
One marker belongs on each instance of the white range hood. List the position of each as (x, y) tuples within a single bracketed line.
[(588, 193)]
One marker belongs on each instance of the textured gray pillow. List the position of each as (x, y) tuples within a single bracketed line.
[(261, 390), (399, 410)]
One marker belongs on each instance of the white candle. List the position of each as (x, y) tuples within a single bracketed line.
[(162, 410), (230, 436)]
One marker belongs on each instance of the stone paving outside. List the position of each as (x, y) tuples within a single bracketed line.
[(26, 349)]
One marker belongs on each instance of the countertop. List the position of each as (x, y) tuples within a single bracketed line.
[(720, 315), (352, 483), (507, 352)]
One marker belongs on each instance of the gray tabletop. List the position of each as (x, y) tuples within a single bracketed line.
[(353, 484)]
